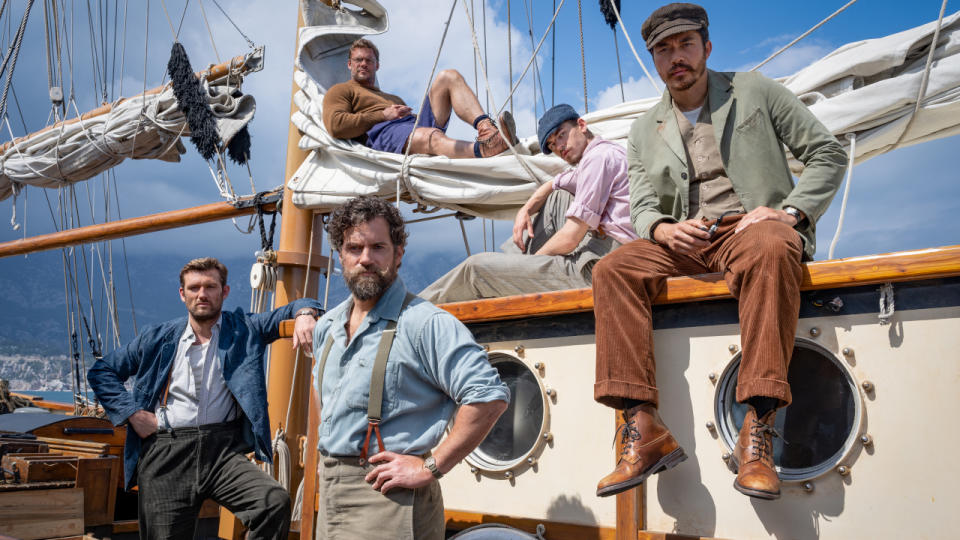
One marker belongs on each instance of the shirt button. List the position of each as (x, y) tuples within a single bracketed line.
[(700, 158), (683, 175)]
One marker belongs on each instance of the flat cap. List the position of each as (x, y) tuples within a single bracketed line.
[(551, 120), (672, 19)]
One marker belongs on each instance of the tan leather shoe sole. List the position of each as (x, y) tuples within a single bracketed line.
[(668, 461), (756, 493)]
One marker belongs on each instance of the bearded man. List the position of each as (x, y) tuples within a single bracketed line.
[(392, 369), (198, 406), (710, 191)]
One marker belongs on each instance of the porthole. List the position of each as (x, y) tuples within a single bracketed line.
[(518, 433), (821, 424)]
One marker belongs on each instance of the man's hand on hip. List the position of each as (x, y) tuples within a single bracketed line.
[(764, 213), (397, 471), (143, 422), (395, 111), (683, 237)]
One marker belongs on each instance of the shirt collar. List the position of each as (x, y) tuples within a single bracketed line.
[(191, 336), (388, 307)]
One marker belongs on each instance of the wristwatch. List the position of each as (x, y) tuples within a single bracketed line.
[(430, 464), (306, 311), (797, 214)]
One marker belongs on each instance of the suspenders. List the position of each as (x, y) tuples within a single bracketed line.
[(375, 404)]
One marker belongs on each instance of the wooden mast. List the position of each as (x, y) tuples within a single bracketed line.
[(289, 374)]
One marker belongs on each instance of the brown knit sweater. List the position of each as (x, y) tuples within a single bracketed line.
[(351, 109)]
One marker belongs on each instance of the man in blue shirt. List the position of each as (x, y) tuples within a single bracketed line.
[(197, 406), (435, 371)]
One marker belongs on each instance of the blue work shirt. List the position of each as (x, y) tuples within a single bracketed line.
[(434, 366)]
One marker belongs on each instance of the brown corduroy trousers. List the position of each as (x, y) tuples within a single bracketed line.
[(761, 265)]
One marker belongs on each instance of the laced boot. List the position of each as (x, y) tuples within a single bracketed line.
[(648, 448), (753, 455), (490, 141)]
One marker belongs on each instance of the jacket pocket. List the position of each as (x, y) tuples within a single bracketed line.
[(750, 122)]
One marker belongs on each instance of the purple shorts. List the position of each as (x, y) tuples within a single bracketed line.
[(392, 135)]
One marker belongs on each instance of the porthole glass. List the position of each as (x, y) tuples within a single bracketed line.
[(518, 430), (818, 427)]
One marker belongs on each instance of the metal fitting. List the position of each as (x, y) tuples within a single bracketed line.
[(726, 456), (518, 349), (508, 475), (538, 365), (474, 470), (814, 332), (733, 348), (867, 386), (712, 377), (847, 351), (808, 487), (551, 392), (548, 436), (866, 439), (710, 426), (843, 470), (531, 461)]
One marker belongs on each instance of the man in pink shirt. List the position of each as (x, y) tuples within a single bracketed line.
[(562, 230)]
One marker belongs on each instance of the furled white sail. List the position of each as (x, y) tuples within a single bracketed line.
[(869, 88), (142, 127)]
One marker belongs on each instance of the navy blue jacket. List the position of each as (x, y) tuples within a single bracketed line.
[(149, 358)]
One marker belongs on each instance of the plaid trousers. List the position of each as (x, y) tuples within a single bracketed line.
[(180, 468)]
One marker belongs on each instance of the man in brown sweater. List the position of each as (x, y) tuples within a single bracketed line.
[(359, 110)]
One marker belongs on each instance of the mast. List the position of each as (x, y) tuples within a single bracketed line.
[(289, 376)]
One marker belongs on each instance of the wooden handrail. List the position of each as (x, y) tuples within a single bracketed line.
[(864, 270)]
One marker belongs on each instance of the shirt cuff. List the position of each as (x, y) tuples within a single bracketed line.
[(583, 213)]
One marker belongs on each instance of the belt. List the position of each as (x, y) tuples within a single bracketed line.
[(232, 425)]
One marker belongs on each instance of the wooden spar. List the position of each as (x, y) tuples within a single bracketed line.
[(129, 227), (289, 369), (238, 63)]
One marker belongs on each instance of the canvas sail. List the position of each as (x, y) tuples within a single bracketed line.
[(869, 88)]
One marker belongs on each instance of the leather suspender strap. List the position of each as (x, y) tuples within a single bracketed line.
[(323, 364), (375, 405)]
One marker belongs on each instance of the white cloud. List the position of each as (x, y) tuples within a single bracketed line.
[(790, 61), (632, 89)]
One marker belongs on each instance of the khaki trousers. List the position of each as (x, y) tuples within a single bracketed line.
[(761, 265), (350, 509)]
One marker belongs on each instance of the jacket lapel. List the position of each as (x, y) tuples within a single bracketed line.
[(720, 99), (669, 129)]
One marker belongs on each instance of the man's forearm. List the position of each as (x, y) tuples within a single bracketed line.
[(470, 426), (535, 202), (566, 239)]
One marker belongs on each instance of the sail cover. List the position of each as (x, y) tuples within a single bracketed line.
[(141, 127), (868, 88)]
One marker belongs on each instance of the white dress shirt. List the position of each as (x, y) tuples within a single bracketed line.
[(198, 394)]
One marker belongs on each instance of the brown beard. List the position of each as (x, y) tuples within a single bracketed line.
[(364, 287), (202, 317)]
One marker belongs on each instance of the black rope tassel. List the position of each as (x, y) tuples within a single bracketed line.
[(191, 100), (608, 14), (239, 146)]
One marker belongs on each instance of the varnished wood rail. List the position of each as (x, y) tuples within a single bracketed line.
[(929, 263)]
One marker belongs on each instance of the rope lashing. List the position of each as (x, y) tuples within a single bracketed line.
[(852, 137), (583, 58), (805, 34)]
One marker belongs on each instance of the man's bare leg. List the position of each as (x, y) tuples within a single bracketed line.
[(434, 142), (450, 92)]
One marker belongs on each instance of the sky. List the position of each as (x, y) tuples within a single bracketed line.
[(907, 199)]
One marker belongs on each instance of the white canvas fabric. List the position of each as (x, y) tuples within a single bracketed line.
[(868, 88), (142, 127)]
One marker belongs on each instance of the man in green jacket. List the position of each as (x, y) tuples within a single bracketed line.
[(710, 191)]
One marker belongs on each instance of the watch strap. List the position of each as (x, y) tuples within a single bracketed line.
[(431, 465)]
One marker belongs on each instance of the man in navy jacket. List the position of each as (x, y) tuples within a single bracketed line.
[(198, 404)]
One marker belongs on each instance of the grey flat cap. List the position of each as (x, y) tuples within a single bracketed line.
[(672, 19)]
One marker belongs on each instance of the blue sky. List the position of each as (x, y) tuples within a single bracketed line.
[(904, 200)]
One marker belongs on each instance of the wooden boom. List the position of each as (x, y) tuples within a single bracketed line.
[(135, 226)]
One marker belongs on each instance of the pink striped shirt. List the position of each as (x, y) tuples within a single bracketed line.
[(600, 188)]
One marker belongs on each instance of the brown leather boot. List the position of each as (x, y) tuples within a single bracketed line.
[(648, 448), (753, 455)]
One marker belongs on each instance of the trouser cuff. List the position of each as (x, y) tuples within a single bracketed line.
[(772, 388), (612, 393)]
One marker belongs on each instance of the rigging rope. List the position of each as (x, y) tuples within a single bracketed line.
[(634, 49), (206, 23), (249, 41), (852, 137), (13, 51), (536, 51), (583, 59), (805, 34), (510, 54)]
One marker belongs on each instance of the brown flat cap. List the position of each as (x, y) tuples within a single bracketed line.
[(672, 19)]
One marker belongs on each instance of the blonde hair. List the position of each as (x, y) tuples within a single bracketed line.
[(202, 265)]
